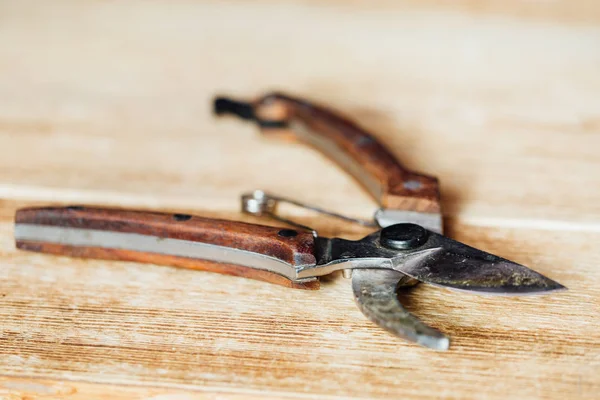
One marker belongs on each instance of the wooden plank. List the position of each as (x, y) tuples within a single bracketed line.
[(29, 388), (136, 324), (109, 104), (568, 12), (504, 110)]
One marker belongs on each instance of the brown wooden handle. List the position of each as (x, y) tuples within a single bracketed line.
[(353, 148), (235, 248)]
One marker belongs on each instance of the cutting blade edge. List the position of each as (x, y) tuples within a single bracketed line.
[(448, 263)]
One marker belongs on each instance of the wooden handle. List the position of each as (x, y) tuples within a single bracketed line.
[(235, 248), (353, 148)]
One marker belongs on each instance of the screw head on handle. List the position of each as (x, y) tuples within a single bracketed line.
[(403, 236)]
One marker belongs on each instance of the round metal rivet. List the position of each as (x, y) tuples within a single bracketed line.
[(412, 185), (403, 236), (287, 233), (182, 217)]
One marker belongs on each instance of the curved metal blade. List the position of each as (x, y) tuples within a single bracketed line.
[(439, 261), (375, 292), (448, 263)]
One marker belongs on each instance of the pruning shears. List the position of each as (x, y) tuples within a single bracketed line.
[(408, 246)]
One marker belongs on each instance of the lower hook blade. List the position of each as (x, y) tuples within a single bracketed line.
[(375, 292)]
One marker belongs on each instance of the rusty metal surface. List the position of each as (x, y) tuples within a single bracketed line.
[(375, 293)]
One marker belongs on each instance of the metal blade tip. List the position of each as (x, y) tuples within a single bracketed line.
[(448, 263), (440, 343)]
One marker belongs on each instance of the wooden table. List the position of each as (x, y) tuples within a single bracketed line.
[(108, 103)]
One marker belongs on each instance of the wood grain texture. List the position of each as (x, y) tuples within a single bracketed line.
[(295, 249), (396, 186), (108, 103), (466, 98), (134, 324)]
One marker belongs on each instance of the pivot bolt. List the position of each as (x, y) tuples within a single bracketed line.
[(403, 236)]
